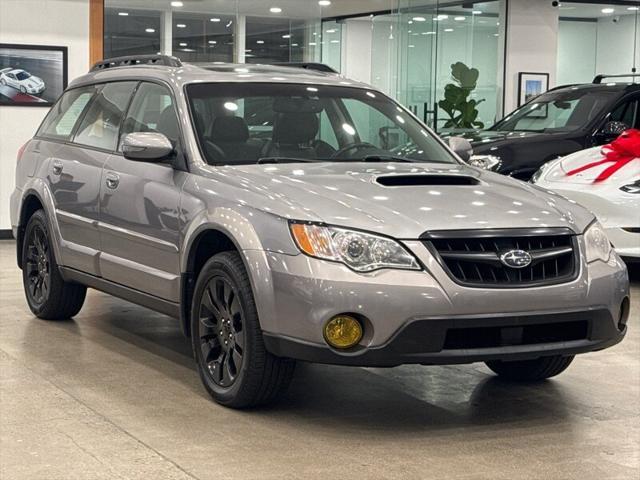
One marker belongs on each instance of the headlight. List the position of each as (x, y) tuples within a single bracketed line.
[(362, 252), (631, 187), (597, 244), (488, 162)]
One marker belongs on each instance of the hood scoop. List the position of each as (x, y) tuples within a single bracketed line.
[(426, 180)]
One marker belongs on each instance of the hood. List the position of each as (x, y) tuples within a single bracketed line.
[(478, 138), (558, 170), (34, 81), (398, 199)]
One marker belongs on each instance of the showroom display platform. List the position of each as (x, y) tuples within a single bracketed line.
[(113, 394)]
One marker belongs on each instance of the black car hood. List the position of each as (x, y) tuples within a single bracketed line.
[(485, 137)]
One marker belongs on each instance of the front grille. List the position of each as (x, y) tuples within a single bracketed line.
[(473, 257)]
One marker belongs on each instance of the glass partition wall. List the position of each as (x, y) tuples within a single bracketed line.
[(438, 58)]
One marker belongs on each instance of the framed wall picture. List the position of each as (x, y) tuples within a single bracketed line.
[(32, 75), (531, 85)]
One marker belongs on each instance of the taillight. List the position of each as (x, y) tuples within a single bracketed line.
[(21, 151)]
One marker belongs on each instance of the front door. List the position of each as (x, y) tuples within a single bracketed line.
[(139, 205)]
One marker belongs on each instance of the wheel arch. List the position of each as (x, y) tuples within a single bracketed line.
[(206, 242), (31, 203)]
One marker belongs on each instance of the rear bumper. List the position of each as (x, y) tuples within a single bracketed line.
[(471, 339)]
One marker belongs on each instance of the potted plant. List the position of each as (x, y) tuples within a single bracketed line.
[(461, 109)]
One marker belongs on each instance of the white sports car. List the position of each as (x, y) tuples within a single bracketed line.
[(21, 80), (608, 185)]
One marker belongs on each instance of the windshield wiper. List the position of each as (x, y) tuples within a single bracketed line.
[(284, 160), (386, 158)]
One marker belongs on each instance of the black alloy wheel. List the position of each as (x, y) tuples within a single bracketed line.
[(220, 331), (38, 266)]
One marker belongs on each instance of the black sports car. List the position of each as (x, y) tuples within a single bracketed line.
[(559, 122)]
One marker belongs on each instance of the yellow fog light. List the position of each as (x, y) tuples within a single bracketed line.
[(342, 331)]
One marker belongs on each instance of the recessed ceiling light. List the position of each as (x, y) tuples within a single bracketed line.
[(442, 17), (312, 44), (212, 42), (183, 44), (260, 42), (149, 30), (214, 19), (177, 4), (335, 41), (430, 33), (286, 36), (123, 14), (633, 9), (496, 34), (181, 25), (332, 30), (275, 10), (607, 10), (324, 3), (476, 12), (419, 19), (411, 46), (448, 29), (459, 19)]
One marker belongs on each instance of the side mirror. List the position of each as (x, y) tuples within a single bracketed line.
[(612, 129), (462, 147), (146, 146)]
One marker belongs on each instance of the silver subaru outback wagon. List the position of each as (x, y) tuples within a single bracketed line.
[(288, 214)]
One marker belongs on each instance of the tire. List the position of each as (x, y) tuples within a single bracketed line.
[(49, 297), (531, 370), (23, 89), (3, 82), (240, 373)]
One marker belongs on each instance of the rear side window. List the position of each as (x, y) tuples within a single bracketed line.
[(66, 112), (101, 124), (152, 110)]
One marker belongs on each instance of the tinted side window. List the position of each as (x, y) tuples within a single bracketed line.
[(101, 123), (152, 110), (64, 115)]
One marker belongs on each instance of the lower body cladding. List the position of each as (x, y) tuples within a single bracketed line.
[(425, 317)]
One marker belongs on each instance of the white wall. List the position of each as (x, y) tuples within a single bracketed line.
[(37, 22), (532, 44), (576, 51), (615, 45), (356, 49)]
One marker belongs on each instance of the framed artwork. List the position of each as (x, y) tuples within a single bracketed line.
[(531, 85), (32, 75)]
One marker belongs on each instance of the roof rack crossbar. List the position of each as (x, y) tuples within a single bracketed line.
[(318, 67), (599, 78), (128, 61)]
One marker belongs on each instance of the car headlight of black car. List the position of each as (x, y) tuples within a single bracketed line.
[(487, 162)]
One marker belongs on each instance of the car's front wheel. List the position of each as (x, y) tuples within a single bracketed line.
[(23, 89), (233, 363), (48, 295), (531, 370)]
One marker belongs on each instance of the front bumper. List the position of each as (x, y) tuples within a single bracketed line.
[(410, 314), (443, 341), (625, 242)]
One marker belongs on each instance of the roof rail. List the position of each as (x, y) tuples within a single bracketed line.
[(318, 67), (599, 78), (128, 61)]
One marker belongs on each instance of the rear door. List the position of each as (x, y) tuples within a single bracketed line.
[(73, 175), (139, 204)]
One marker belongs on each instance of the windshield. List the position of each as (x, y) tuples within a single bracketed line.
[(22, 75), (564, 111), (274, 123)]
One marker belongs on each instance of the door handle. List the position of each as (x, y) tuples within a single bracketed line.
[(57, 167), (112, 181)]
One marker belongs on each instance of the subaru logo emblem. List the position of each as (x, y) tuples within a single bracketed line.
[(516, 258)]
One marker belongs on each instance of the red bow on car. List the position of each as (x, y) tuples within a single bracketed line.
[(621, 151)]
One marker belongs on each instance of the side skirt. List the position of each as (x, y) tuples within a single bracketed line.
[(135, 296)]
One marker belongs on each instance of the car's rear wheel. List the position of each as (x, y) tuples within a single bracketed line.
[(233, 363), (3, 82), (48, 295), (531, 370)]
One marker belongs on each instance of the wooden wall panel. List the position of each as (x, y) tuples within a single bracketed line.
[(96, 30)]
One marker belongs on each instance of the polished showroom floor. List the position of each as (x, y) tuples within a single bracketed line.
[(113, 394)]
